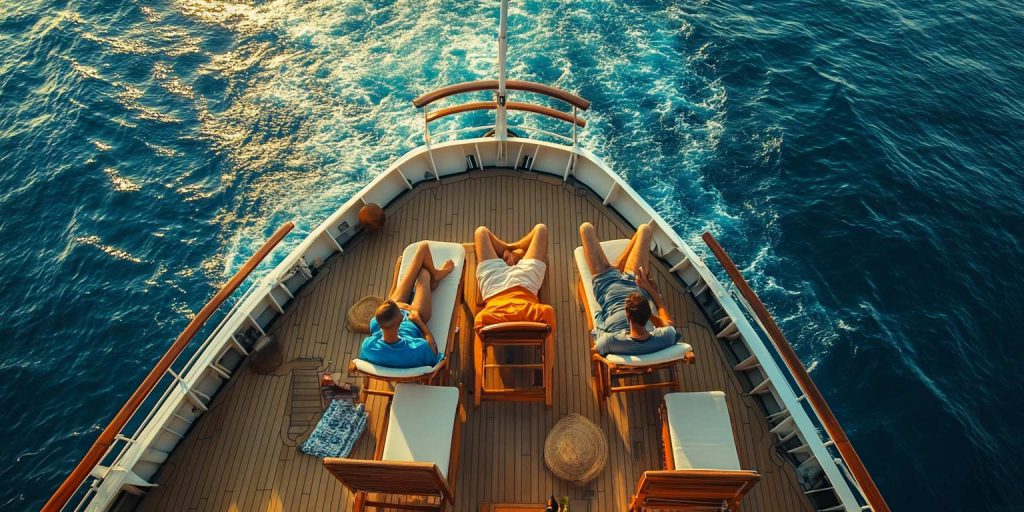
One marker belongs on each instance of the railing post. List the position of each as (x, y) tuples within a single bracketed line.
[(426, 139), (426, 126), (574, 121), (500, 121), (574, 142)]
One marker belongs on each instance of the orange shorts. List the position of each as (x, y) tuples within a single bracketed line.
[(515, 305)]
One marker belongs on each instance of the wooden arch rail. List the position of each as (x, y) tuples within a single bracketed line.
[(491, 85), (106, 438), (512, 105), (803, 379)]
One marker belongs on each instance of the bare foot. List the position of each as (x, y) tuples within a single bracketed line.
[(441, 273)]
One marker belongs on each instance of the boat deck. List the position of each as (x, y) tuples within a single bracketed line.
[(242, 455)]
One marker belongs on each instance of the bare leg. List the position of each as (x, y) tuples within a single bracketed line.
[(592, 251), (538, 247), (420, 260), (484, 245), (421, 299), (620, 262), (640, 250), (489, 246)]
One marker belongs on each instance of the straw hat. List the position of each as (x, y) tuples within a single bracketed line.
[(576, 450), (361, 312)]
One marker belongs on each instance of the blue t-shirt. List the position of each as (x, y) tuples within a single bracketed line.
[(411, 349), (621, 343)]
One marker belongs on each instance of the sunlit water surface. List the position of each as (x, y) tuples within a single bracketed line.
[(861, 160)]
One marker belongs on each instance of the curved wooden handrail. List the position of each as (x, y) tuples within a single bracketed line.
[(803, 379), (491, 85), (106, 438), (512, 105)]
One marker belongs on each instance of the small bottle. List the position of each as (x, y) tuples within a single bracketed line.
[(552, 505)]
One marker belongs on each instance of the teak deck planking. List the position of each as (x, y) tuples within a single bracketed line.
[(242, 454)]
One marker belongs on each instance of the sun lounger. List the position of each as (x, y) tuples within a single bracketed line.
[(417, 456), (534, 335), (702, 467), (607, 368), (444, 303)]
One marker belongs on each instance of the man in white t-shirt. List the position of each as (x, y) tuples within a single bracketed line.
[(509, 275)]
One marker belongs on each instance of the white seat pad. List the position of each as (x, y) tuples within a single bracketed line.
[(443, 302), (674, 353), (612, 250), (700, 431), (421, 425), (385, 371)]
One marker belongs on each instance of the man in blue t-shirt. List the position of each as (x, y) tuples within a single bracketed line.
[(624, 292), (399, 336), (397, 339)]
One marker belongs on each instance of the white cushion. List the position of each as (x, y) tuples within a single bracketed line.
[(700, 431), (674, 353), (385, 371), (443, 301), (421, 425), (612, 250)]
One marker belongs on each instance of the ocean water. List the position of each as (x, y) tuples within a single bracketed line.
[(860, 160)]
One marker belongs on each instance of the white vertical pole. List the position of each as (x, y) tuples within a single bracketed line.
[(500, 125)]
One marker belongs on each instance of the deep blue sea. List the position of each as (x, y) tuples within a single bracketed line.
[(861, 160)]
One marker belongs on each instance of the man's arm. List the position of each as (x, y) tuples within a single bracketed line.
[(414, 317), (663, 318)]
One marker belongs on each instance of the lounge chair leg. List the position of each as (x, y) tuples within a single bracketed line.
[(607, 383), (360, 502), (549, 369), (478, 370), (363, 388)]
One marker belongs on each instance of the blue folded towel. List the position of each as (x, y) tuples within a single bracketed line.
[(338, 430)]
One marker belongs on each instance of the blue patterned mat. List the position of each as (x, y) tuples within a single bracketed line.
[(338, 430)]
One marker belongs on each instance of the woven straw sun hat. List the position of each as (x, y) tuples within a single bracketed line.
[(576, 450), (361, 312)]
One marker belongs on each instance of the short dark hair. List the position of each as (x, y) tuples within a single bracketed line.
[(387, 313), (638, 310)]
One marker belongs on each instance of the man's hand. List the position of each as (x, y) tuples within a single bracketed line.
[(643, 280), (512, 257), (414, 317)]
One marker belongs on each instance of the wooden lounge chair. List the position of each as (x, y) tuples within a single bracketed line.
[(509, 334), (608, 368), (416, 457), (702, 468), (442, 324)]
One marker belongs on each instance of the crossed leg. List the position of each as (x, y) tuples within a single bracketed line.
[(592, 250), (533, 245), (637, 253), (420, 278)]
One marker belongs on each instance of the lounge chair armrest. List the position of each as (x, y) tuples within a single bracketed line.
[(519, 327)]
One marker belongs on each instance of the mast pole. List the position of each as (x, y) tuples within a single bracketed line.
[(500, 124)]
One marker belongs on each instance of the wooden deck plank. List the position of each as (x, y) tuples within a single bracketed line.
[(240, 455)]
